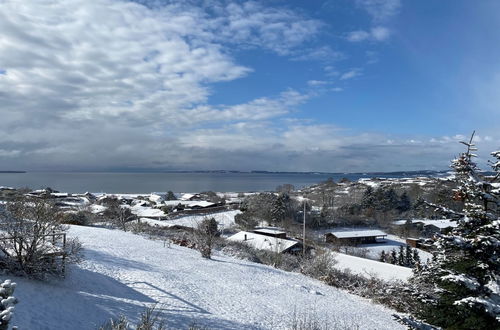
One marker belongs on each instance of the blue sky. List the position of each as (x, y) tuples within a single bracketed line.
[(338, 85)]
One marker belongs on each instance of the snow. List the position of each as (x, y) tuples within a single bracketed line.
[(147, 212), (441, 224), (357, 233), (187, 197), (225, 220), (368, 267), (263, 242), (202, 204), (272, 231), (123, 273), (96, 208)]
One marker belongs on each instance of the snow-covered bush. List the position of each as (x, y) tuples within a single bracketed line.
[(32, 237), (205, 236), (7, 303), (149, 320), (320, 266)]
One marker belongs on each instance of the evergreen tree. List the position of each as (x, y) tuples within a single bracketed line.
[(401, 256), (7, 303), (170, 196), (383, 256), (368, 199), (416, 258), (459, 288), (408, 262), (404, 204), (279, 208), (394, 257)]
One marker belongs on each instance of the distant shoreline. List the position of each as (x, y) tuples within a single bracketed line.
[(13, 172)]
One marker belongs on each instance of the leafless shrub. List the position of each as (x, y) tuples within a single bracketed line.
[(320, 265), (118, 214), (32, 239), (310, 320)]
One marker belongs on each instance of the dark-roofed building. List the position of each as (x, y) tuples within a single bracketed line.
[(355, 237)]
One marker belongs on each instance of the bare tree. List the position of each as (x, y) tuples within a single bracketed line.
[(32, 236), (118, 214)]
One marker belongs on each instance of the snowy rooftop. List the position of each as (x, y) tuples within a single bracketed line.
[(262, 242), (441, 224), (201, 204), (357, 233), (273, 231), (187, 196), (147, 212)]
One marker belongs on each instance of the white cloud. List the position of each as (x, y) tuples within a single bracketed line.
[(353, 73), (317, 82), (378, 33), (380, 10)]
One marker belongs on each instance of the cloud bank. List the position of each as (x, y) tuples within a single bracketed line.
[(103, 85)]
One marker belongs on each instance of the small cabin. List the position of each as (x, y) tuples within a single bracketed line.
[(355, 237)]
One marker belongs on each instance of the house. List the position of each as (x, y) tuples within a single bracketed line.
[(269, 243), (190, 197), (148, 212), (355, 237), (428, 225), (201, 205)]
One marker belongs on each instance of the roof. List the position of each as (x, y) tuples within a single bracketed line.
[(147, 212), (273, 231), (357, 233), (441, 224), (187, 196), (201, 204), (262, 242)]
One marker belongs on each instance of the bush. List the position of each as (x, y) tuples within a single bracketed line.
[(7, 303), (31, 232), (320, 266), (205, 236), (79, 218)]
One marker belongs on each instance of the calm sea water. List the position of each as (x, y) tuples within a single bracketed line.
[(78, 182)]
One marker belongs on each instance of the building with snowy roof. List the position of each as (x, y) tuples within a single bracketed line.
[(429, 225), (264, 242), (355, 237)]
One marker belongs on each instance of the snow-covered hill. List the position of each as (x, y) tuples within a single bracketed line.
[(123, 273)]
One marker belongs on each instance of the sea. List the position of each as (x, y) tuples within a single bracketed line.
[(118, 182)]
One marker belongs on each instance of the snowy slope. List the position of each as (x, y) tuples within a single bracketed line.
[(368, 267), (124, 272)]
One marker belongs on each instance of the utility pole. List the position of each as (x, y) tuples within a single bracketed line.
[(304, 232)]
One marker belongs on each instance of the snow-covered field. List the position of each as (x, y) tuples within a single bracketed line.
[(123, 273), (367, 268)]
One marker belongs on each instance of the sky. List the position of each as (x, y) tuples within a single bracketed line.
[(278, 85)]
